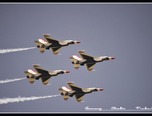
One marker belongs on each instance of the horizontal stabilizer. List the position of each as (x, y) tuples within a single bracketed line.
[(65, 97), (63, 92), (42, 50), (31, 80), (76, 66)]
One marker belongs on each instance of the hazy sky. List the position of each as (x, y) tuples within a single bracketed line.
[(120, 30)]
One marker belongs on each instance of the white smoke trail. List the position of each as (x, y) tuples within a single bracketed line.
[(11, 80), (2, 51), (22, 99)]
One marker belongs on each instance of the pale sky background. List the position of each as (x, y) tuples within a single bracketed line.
[(120, 30)]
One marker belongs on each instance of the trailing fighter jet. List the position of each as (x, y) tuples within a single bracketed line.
[(76, 91), (55, 45), (42, 73), (90, 61)]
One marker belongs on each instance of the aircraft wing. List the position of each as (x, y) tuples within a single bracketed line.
[(50, 39), (45, 81), (86, 56), (79, 98), (56, 50), (90, 66), (74, 87), (40, 70)]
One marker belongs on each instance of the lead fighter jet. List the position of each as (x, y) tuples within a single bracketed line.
[(55, 45), (90, 61), (76, 91), (42, 73)]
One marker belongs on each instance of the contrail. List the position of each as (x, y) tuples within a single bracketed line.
[(22, 99), (2, 51), (11, 80)]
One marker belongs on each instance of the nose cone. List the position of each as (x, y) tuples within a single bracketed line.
[(100, 89), (76, 42), (67, 71), (112, 58)]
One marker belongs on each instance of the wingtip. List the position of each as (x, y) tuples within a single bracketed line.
[(36, 64), (81, 51), (57, 53), (46, 34), (70, 82)]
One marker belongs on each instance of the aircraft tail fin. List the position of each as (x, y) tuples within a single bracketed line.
[(40, 46), (75, 61), (30, 77), (64, 94)]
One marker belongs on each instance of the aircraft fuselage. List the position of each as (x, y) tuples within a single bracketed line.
[(90, 61), (79, 92)]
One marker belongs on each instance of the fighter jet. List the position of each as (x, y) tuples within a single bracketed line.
[(87, 60), (55, 45), (76, 91), (42, 73)]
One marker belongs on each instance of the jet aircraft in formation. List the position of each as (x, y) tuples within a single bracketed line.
[(87, 60), (45, 75), (76, 91), (55, 45)]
